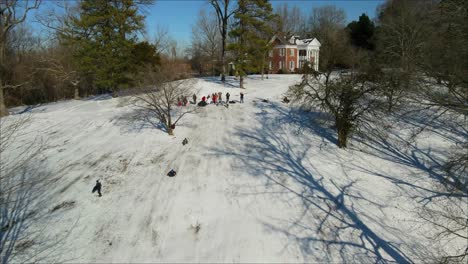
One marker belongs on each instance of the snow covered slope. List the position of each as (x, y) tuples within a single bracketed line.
[(257, 182)]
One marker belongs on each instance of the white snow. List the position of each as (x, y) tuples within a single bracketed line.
[(257, 182)]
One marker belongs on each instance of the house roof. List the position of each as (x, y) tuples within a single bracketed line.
[(282, 41), (311, 41), (296, 41)]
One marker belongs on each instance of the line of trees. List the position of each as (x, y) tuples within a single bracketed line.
[(90, 47), (412, 59)]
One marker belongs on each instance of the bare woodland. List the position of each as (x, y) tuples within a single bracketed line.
[(419, 67)]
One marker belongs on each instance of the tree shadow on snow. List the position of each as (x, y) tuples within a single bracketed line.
[(25, 202), (443, 123), (299, 120), (99, 97), (138, 119), (229, 83), (330, 228), (429, 162)]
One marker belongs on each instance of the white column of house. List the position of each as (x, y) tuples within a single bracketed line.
[(313, 55), (297, 58), (317, 59)]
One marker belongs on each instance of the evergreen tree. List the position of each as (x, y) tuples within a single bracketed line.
[(251, 31), (362, 32), (103, 38), (144, 54)]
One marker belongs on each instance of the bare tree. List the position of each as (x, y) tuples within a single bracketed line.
[(325, 19), (401, 36), (56, 17), (224, 11), (162, 40), (291, 21), (346, 97), (327, 25), (394, 84), (422, 46), (161, 92), (12, 13), (206, 41), (446, 56), (58, 63)]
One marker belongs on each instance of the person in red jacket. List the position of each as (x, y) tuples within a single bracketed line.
[(203, 98), (214, 98)]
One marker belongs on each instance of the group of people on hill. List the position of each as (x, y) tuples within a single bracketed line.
[(182, 101), (216, 98)]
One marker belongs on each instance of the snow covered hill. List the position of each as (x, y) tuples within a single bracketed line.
[(257, 182)]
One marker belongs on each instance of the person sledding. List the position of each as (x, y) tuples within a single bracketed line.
[(97, 188), (172, 173), (202, 102)]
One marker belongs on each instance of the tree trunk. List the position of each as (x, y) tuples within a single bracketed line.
[(263, 68), (342, 138), (223, 49), (77, 93), (390, 102), (241, 81), (3, 109), (343, 129), (170, 130)]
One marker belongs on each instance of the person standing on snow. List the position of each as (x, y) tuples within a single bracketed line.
[(227, 97), (241, 97), (220, 96), (194, 97), (97, 188)]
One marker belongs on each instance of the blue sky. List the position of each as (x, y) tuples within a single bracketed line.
[(178, 16)]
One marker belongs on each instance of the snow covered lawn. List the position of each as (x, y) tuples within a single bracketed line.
[(257, 182)]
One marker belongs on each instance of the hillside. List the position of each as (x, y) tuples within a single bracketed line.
[(257, 182)]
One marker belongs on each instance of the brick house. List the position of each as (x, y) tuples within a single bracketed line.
[(289, 56)]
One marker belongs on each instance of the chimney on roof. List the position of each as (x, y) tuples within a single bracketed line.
[(293, 39)]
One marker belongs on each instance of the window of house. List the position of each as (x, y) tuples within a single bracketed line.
[(291, 65), (280, 65), (270, 53), (302, 53), (291, 52), (282, 52), (270, 65)]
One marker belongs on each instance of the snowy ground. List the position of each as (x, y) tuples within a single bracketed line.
[(257, 182)]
